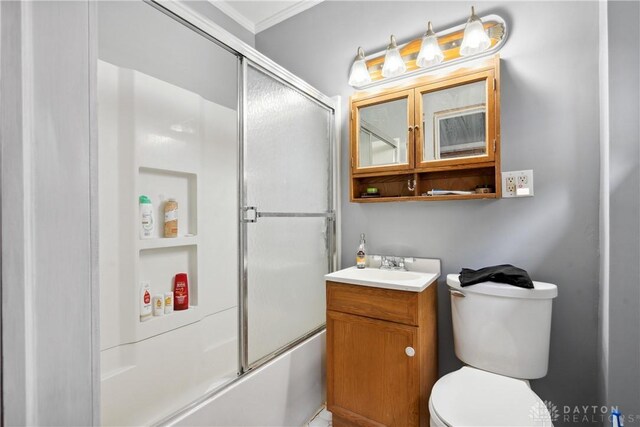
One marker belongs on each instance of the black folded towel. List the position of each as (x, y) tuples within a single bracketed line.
[(506, 273)]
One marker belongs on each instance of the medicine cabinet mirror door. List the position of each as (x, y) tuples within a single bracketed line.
[(456, 120), (382, 130)]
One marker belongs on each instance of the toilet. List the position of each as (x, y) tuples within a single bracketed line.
[(501, 332)]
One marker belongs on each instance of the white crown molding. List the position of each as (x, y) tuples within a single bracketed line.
[(287, 13), (233, 13), (256, 27)]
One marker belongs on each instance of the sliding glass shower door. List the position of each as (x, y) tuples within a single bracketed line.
[(288, 217)]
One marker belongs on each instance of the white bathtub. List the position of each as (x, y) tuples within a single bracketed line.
[(287, 391)]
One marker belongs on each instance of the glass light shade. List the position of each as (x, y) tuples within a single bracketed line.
[(359, 75), (475, 38), (430, 51), (393, 63)]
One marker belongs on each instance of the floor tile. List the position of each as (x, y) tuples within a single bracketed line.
[(323, 419)]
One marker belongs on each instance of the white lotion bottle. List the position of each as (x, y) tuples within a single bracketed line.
[(145, 301), (168, 302), (147, 223), (158, 305)]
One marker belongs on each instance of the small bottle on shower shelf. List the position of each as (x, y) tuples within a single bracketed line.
[(171, 218), (146, 217), (145, 301), (361, 255), (181, 292)]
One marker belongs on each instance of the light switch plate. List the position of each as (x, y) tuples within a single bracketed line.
[(517, 184)]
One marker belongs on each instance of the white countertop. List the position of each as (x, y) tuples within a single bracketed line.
[(413, 281)]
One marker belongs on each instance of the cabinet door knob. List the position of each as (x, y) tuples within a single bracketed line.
[(410, 351)]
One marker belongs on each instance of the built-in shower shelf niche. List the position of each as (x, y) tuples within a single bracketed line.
[(162, 184), (167, 242), (158, 266), (161, 258)]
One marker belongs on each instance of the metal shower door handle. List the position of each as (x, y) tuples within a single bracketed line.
[(251, 214)]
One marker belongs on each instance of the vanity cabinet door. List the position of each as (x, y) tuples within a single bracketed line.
[(382, 133), (372, 372), (456, 121)]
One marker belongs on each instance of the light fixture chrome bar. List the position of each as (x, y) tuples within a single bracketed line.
[(501, 30)]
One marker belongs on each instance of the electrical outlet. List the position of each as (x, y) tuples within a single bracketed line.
[(517, 184), (511, 184)]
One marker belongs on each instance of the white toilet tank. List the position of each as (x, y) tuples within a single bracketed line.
[(502, 328)]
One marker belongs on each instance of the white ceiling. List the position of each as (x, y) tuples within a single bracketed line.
[(257, 16)]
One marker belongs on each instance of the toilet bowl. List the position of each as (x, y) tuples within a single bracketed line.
[(472, 397), (502, 333)]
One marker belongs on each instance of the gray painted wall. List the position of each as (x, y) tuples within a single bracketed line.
[(549, 124), (47, 288), (624, 200), (134, 35), (207, 10)]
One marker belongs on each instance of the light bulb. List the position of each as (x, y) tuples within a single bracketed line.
[(475, 38), (430, 52), (393, 63), (359, 75)]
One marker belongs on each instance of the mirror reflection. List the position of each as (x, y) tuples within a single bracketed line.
[(454, 122), (382, 138)]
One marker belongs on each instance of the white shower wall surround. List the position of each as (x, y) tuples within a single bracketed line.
[(163, 141)]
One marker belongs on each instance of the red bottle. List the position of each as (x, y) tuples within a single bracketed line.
[(181, 292)]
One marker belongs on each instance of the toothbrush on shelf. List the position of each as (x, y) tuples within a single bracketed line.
[(445, 192)]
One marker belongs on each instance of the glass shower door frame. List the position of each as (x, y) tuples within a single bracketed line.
[(250, 214)]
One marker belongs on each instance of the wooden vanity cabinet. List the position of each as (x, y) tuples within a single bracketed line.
[(382, 358), (439, 132)]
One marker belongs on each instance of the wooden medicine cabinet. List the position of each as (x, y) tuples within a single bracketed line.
[(440, 132)]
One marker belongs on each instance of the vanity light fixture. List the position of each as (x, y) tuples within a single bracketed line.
[(359, 74), (393, 63), (475, 38), (430, 52), (472, 38)]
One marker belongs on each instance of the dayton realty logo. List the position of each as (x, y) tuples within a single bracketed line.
[(544, 412)]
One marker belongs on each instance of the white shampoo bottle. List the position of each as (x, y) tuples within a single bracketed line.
[(147, 222)]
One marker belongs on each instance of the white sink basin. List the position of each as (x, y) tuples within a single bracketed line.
[(415, 281)]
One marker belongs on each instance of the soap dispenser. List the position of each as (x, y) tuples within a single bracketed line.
[(361, 255)]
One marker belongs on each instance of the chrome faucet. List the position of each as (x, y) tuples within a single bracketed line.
[(392, 263)]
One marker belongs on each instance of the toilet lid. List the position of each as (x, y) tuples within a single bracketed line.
[(471, 397)]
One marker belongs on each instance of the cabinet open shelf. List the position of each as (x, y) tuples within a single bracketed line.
[(413, 186), (428, 198)]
